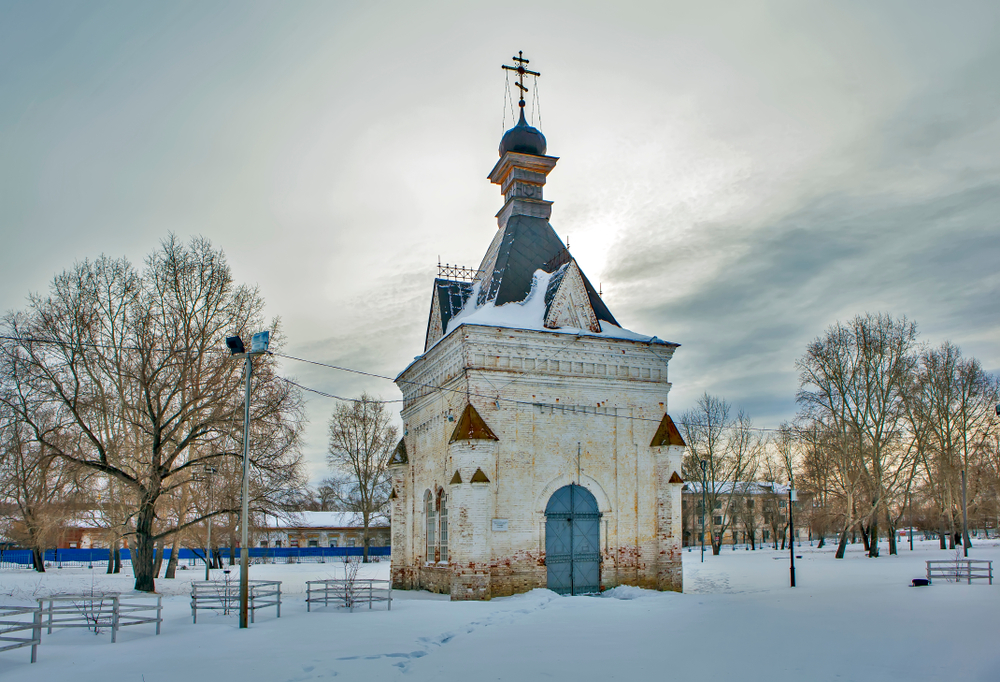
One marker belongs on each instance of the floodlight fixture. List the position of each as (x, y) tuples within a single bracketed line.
[(260, 342), (235, 345)]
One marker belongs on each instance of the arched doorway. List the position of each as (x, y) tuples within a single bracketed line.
[(573, 541)]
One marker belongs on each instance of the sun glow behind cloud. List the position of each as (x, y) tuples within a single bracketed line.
[(736, 177)]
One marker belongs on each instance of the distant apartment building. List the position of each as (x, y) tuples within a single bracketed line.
[(320, 529), (741, 512)]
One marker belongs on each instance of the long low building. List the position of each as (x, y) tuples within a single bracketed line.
[(320, 529), (285, 529)]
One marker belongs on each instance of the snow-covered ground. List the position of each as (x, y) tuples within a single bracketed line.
[(855, 619)]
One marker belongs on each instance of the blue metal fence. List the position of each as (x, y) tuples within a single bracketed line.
[(14, 558)]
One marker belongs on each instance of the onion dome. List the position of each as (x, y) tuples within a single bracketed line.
[(523, 139)]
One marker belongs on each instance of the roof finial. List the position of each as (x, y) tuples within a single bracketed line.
[(520, 62)]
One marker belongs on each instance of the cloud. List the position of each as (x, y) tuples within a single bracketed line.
[(736, 178)]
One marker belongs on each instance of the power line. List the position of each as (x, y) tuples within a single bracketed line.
[(488, 397), (351, 370), (335, 397)]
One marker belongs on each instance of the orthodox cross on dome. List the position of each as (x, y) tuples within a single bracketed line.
[(520, 62)]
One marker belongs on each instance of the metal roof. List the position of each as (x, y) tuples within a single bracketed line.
[(528, 244), (451, 296), (471, 426)]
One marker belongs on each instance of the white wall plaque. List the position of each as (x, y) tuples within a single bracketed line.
[(500, 525)]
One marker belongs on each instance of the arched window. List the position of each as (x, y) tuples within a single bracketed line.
[(431, 525), (442, 509)]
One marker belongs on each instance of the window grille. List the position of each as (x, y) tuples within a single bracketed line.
[(443, 523), (431, 522)]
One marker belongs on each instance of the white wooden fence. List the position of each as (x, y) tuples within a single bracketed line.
[(96, 610), (348, 593), (955, 570), (13, 619), (224, 595)]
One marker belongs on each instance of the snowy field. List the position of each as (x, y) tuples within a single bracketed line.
[(855, 619)]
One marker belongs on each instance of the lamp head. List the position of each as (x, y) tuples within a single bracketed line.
[(704, 464), (259, 342), (235, 345)]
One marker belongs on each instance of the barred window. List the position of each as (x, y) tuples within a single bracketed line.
[(442, 509), (431, 523)]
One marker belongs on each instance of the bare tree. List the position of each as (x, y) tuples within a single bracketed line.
[(38, 488), (361, 442), (816, 479), (731, 449), (950, 408), (130, 362), (851, 382)]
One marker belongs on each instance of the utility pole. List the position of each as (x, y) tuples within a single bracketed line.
[(258, 346), (965, 520), (209, 470), (791, 528), (704, 467)]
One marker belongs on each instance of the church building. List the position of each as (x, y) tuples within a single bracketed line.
[(537, 449)]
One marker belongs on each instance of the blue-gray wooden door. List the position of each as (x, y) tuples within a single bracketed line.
[(573, 541)]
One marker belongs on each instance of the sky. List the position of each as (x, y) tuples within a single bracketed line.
[(736, 176)]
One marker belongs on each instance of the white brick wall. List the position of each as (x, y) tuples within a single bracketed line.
[(541, 393)]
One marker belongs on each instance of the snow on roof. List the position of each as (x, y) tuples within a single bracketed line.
[(530, 314), (318, 519), (739, 487)]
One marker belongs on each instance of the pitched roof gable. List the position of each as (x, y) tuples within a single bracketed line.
[(447, 301), (566, 301), (399, 454), (471, 426), (667, 434), (527, 244)]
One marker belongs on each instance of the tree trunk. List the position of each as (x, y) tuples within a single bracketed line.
[(942, 535), (822, 541), (365, 541), (143, 551), (118, 558), (873, 540), (38, 559), (950, 518), (111, 557), (864, 539), (890, 529), (172, 562), (842, 545)]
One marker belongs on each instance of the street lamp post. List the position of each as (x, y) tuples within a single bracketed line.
[(258, 346), (791, 530), (209, 470), (965, 520), (704, 468)]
